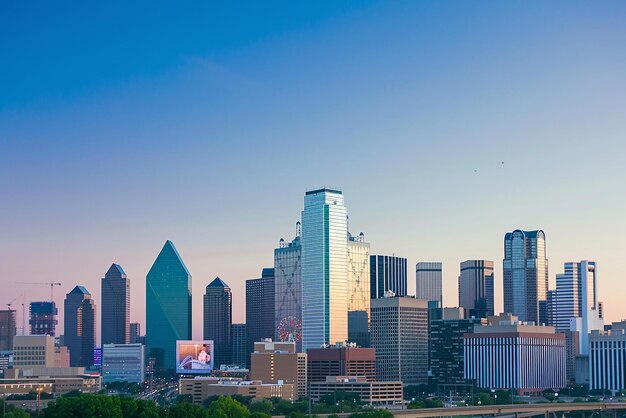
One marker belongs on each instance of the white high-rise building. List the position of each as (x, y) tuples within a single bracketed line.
[(324, 268), (576, 307), (428, 277)]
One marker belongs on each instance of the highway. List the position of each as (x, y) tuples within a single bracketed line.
[(515, 410)]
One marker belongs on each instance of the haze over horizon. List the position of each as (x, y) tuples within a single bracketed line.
[(446, 125)]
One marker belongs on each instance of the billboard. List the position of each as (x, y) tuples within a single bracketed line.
[(194, 357)]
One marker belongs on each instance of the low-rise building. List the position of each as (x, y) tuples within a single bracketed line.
[(372, 393), (33, 351), (509, 354), (607, 359), (341, 360), (123, 363), (274, 362), (54, 385), (201, 388)]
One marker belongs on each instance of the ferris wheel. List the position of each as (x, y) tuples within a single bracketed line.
[(290, 329)]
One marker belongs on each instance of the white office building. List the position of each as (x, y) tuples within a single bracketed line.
[(607, 359)]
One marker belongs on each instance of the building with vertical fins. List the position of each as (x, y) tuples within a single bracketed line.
[(287, 290), (428, 281), (260, 308), (218, 314), (476, 288), (509, 354), (43, 318), (80, 327), (115, 325), (324, 268), (526, 275), (387, 274), (358, 289), (168, 306)]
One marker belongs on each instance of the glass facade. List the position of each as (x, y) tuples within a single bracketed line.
[(80, 326), (387, 274), (260, 308), (218, 317), (324, 268), (526, 275), (168, 306), (115, 326), (287, 291), (476, 288), (123, 363)]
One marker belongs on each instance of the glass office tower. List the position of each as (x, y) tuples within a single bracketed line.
[(115, 328), (288, 290), (324, 268), (168, 306), (526, 275), (476, 288)]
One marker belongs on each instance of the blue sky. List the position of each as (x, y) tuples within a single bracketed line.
[(122, 126)]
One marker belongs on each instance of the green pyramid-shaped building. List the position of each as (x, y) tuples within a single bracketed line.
[(168, 306)]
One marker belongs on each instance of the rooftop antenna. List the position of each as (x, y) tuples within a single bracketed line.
[(298, 229)]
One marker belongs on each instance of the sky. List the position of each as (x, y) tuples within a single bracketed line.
[(445, 123)]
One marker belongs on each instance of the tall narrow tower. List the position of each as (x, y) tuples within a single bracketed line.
[(526, 275), (168, 306), (80, 326), (324, 268), (115, 306), (218, 317)]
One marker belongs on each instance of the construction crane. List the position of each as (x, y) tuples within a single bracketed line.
[(51, 284)]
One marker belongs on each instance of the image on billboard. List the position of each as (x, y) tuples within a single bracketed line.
[(194, 357)]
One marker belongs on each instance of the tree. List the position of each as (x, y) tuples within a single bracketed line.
[(17, 413), (186, 409), (549, 394), (85, 406), (227, 407), (262, 405)]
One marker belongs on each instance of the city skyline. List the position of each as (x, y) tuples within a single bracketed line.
[(209, 136)]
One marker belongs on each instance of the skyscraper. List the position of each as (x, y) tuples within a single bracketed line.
[(80, 327), (218, 314), (399, 333), (476, 288), (239, 353), (526, 275), (168, 306), (577, 307), (260, 310), (428, 278), (358, 274), (324, 268), (388, 273), (358, 289), (115, 306), (43, 318), (287, 290), (7, 329)]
